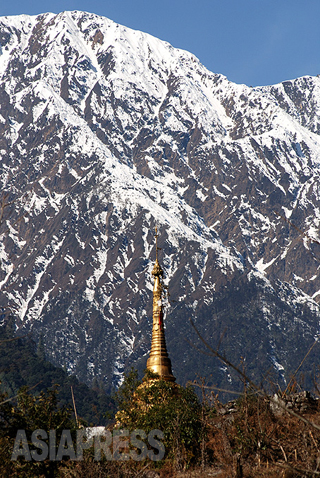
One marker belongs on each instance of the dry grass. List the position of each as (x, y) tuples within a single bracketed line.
[(265, 444), (249, 442)]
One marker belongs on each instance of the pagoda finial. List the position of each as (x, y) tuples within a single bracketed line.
[(157, 270), (156, 235), (159, 361)]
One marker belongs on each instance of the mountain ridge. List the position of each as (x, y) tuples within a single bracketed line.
[(122, 132)]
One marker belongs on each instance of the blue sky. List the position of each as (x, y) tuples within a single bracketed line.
[(256, 42)]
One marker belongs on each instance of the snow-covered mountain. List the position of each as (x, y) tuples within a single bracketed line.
[(106, 132)]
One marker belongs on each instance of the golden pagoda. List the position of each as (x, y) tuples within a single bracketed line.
[(158, 361)]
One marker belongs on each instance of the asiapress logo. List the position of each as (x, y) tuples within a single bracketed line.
[(116, 445)]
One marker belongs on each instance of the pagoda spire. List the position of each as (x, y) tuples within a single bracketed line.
[(159, 361)]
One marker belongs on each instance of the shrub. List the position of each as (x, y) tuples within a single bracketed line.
[(157, 404)]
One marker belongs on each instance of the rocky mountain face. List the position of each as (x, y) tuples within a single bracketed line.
[(106, 132)]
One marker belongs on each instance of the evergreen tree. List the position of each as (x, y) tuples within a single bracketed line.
[(40, 349), (157, 404)]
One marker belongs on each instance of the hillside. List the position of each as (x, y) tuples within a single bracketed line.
[(106, 132), (22, 364)]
